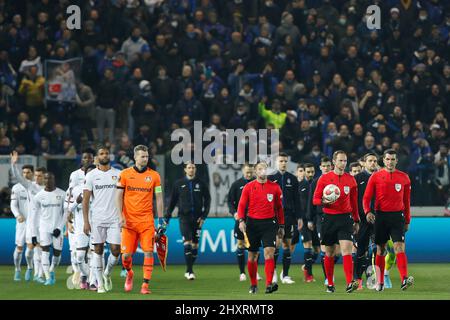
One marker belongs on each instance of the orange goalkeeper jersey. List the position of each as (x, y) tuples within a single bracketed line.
[(139, 187)]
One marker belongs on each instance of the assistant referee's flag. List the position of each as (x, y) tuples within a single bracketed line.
[(162, 248)]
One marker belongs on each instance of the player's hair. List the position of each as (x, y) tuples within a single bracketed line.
[(248, 165), (102, 147), (338, 152), (188, 163), (325, 159), (354, 165), (140, 147), (309, 165), (41, 169), (300, 165), (283, 155), (392, 152), (88, 150), (261, 162), (29, 167), (370, 154)]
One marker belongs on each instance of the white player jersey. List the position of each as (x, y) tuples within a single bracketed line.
[(77, 208), (76, 178), (32, 187), (102, 184), (48, 210), (19, 200)]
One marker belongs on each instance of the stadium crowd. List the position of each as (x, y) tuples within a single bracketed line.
[(310, 68)]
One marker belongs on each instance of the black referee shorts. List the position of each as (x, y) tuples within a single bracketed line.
[(189, 229), (261, 231), (336, 227), (237, 232), (389, 225)]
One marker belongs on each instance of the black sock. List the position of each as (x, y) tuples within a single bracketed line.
[(314, 256), (286, 261), (322, 259), (240, 253), (275, 256), (308, 257), (194, 254), (188, 257)]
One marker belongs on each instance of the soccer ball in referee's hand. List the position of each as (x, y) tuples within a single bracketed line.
[(331, 192)]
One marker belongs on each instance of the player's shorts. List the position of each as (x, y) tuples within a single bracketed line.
[(29, 234), (72, 241), (134, 234), (336, 227), (261, 231), (237, 232), (308, 235), (102, 234), (21, 229), (389, 225), (366, 231), (47, 239), (290, 225), (81, 240), (189, 229), (296, 237)]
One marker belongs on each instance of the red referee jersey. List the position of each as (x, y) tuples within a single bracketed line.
[(263, 201), (347, 202), (392, 192)]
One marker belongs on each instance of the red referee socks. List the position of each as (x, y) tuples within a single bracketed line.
[(329, 269), (252, 270), (348, 268), (402, 265), (269, 268), (380, 262)]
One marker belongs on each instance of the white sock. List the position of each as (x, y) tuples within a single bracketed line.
[(98, 268), (92, 273), (45, 260), (112, 261), (73, 261), (37, 260), (29, 258), (84, 269), (386, 272), (17, 258), (55, 263), (103, 260)]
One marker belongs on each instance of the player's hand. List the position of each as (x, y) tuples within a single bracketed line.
[(14, 157), (80, 198), (242, 226), (326, 201), (235, 216), (311, 226), (406, 227), (56, 233), (355, 227), (162, 226), (300, 224), (370, 217), (70, 227), (122, 221), (34, 241), (200, 222), (87, 228), (280, 231), (20, 218)]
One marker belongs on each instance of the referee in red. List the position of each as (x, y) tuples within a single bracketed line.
[(265, 219), (392, 191), (340, 219)]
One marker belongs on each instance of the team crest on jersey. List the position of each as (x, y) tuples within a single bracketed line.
[(58, 197), (289, 181), (270, 197), (398, 187), (148, 179), (197, 186), (346, 189)]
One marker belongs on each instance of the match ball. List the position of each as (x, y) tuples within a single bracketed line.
[(331, 192)]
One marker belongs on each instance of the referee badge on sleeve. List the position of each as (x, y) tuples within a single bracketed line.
[(398, 187), (346, 189), (270, 197)]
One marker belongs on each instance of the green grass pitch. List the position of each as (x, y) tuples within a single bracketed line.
[(221, 282)]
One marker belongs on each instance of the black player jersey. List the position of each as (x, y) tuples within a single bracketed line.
[(192, 198), (234, 195), (362, 179), (312, 211), (303, 190), (291, 198)]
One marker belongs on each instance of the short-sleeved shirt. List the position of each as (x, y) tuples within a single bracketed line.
[(139, 187)]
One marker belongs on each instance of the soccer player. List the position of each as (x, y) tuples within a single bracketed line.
[(134, 198), (391, 189), (310, 237), (261, 216), (340, 219), (192, 197), (77, 177), (365, 229), (81, 239), (300, 173), (314, 216), (355, 168), (293, 216), (103, 224), (233, 200), (19, 207), (48, 212), (32, 188)]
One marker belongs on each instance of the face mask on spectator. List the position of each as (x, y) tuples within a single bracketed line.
[(134, 38), (191, 35), (342, 21), (316, 153), (300, 147), (423, 18), (174, 24)]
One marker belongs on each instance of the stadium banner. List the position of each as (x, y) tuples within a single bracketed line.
[(61, 78), (6, 177), (427, 241)]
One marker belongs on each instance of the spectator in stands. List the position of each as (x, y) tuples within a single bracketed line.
[(32, 88), (133, 45)]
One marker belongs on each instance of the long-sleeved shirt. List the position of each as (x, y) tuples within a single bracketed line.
[(32, 187), (291, 197), (48, 211), (312, 210), (304, 187), (361, 180), (347, 201), (392, 191), (263, 201), (235, 193), (277, 119), (192, 198), (19, 201)]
